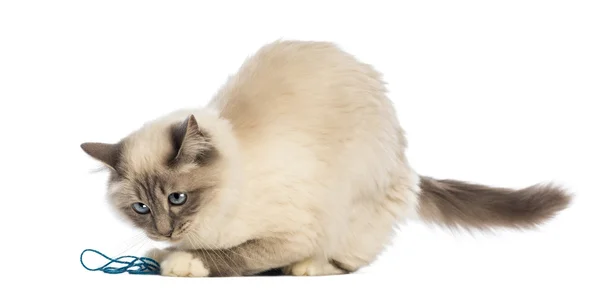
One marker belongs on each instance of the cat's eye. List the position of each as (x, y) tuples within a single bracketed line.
[(140, 208), (177, 198)]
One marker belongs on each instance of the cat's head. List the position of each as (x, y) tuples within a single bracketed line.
[(173, 177)]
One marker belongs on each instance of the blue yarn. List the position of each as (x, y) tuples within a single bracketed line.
[(131, 264)]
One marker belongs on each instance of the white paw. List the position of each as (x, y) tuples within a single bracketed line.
[(182, 264), (311, 267)]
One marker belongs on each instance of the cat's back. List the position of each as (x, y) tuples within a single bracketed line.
[(304, 85), (305, 107)]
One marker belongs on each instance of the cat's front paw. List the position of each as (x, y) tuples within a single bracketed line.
[(183, 264)]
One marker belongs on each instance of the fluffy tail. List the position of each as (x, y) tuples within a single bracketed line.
[(458, 204)]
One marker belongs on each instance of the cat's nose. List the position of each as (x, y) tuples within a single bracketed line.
[(164, 228), (167, 233)]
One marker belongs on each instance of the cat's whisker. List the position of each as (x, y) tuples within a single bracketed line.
[(132, 242), (219, 252), (236, 253), (142, 244), (224, 257), (210, 254), (237, 265), (202, 250)]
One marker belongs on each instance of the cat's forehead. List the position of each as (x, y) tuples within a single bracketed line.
[(148, 149), (143, 181)]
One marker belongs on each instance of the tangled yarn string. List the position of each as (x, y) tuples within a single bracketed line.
[(129, 264)]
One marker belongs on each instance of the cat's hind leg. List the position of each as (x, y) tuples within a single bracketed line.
[(313, 267), (373, 224)]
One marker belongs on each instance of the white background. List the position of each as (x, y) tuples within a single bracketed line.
[(499, 92)]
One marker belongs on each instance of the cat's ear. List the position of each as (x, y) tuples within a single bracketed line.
[(191, 143), (103, 152)]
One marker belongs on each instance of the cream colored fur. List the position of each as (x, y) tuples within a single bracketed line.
[(314, 157)]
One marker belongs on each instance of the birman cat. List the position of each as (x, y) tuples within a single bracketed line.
[(297, 163)]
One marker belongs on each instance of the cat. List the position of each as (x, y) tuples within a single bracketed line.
[(296, 163)]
